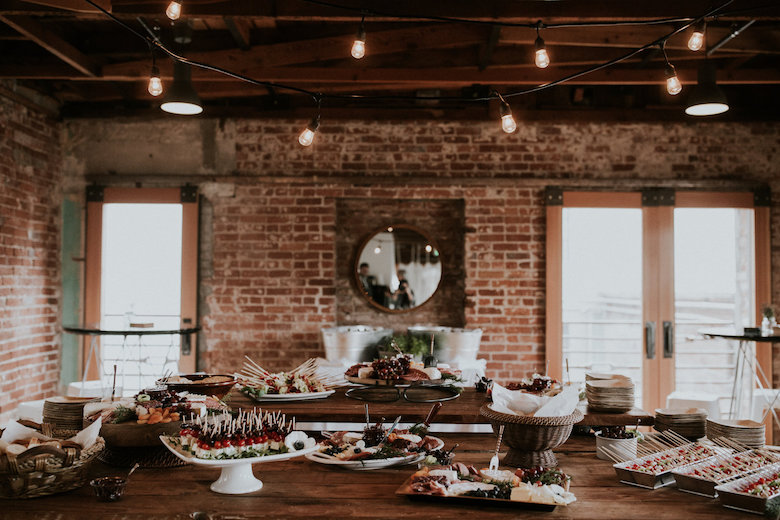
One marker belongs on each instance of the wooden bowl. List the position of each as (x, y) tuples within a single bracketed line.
[(218, 390), (531, 439), (133, 435)]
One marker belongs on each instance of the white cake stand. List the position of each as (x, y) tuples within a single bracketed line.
[(237, 477)]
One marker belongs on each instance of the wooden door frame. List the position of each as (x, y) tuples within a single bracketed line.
[(660, 306), (96, 198)]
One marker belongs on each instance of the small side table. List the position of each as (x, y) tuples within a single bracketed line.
[(746, 357)]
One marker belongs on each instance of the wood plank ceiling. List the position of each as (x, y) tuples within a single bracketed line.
[(68, 49)]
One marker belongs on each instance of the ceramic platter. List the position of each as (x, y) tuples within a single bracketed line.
[(368, 464), (236, 477), (291, 397)]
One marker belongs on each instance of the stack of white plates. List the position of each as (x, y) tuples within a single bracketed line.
[(744, 431), (688, 422), (610, 395), (597, 376)]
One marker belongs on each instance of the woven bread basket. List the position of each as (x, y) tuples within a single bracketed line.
[(531, 439), (45, 470)]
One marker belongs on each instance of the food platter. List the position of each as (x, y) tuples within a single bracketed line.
[(299, 396), (369, 464), (236, 477), (405, 490)]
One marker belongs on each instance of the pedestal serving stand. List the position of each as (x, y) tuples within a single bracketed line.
[(236, 477)]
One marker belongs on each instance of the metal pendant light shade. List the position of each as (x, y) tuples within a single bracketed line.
[(181, 98), (706, 99)]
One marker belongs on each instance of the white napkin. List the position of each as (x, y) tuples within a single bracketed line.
[(517, 402), (86, 437)]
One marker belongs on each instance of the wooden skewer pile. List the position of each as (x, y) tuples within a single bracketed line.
[(654, 444), (244, 422), (253, 374)]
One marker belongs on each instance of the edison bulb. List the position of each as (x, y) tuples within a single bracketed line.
[(306, 137), (358, 49), (428, 248), (673, 85), (696, 41), (542, 59), (377, 250), (174, 10), (155, 86), (508, 124)]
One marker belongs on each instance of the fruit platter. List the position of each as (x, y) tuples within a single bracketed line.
[(397, 370), (655, 470), (757, 493), (375, 447), (299, 384), (536, 488), (235, 443), (702, 477)]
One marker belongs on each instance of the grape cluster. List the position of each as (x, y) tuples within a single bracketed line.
[(373, 435), (538, 384), (502, 490), (391, 368), (616, 432), (543, 475)]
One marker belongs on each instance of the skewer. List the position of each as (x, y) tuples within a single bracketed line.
[(612, 455)]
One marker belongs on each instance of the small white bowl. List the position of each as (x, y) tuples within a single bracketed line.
[(624, 448)]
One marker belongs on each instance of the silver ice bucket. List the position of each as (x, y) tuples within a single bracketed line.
[(451, 344), (353, 343)]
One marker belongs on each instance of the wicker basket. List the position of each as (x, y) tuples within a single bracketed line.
[(531, 439), (46, 470)]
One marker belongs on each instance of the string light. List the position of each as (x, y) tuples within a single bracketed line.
[(673, 85), (508, 123), (307, 136), (155, 87), (174, 10), (359, 45), (696, 41), (541, 58)]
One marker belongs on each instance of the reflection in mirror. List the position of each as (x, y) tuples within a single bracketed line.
[(398, 268)]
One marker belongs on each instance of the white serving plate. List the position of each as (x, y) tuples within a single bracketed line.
[(236, 477), (292, 396), (368, 464)]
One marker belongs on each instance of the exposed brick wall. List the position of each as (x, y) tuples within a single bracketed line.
[(272, 286), (30, 177)]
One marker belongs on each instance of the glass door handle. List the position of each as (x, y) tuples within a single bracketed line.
[(650, 339), (668, 339)]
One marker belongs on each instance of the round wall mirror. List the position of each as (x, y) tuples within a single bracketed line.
[(398, 268)]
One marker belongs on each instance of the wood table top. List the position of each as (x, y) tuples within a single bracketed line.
[(463, 410), (299, 488)]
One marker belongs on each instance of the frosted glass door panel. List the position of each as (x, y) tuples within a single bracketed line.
[(141, 284), (602, 292), (714, 287)]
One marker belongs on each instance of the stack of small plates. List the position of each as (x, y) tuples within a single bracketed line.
[(610, 395), (688, 422), (64, 413), (596, 376), (744, 431)]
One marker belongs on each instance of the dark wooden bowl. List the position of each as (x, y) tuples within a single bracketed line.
[(133, 435), (531, 439), (218, 390)]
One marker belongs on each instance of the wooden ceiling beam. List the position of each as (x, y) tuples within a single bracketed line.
[(511, 11), (77, 6), (319, 49), (240, 30), (33, 30)]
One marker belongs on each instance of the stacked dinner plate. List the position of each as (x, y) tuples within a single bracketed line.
[(597, 376), (744, 431), (64, 413), (610, 395), (688, 422)]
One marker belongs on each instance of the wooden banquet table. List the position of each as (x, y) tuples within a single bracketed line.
[(463, 410), (299, 488)]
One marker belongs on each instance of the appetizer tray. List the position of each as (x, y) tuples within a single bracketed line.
[(701, 478), (236, 477), (299, 396), (732, 495), (369, 464), (477, 502), (629, 472)]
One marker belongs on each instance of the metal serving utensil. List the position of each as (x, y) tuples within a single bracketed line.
[(494, 460)]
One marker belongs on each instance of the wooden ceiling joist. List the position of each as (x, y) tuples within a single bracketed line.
[(33, 30)]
